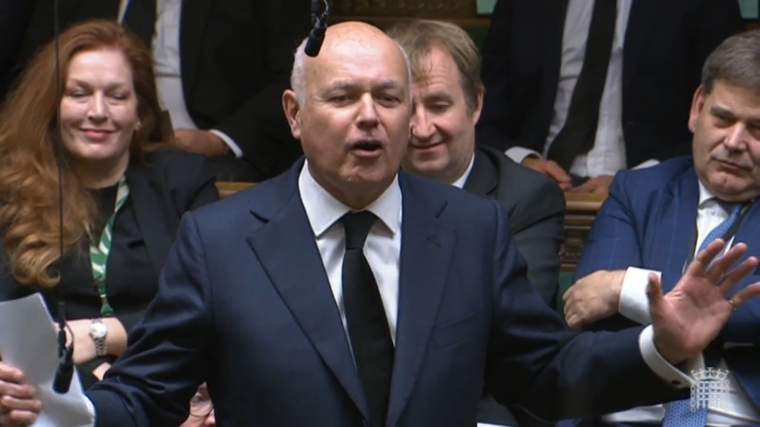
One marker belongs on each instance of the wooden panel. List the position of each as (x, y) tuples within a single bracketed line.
[(580, 215), (228, 188)]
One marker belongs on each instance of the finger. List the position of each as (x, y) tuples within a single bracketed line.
[(654, 292), (10, 374), (18, 418), (737, 274), (746, 294), (565, 186), (574, 323), (11, 404), (699, 266), (720, 265), (586, 187), (555, 171), (22, 391)]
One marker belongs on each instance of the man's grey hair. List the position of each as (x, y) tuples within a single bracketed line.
[(297, 79)]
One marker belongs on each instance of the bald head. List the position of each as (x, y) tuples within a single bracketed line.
[(343, 42), (350, 107)]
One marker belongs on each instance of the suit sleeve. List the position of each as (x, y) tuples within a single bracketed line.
[(537, 223), (259, 126), (612, 244), (168, 357), (491, 127), (535, 363)]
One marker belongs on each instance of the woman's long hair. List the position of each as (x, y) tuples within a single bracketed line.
[(28, 172)]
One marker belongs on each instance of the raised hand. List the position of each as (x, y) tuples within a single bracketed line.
[(690, 316), (18, 406)]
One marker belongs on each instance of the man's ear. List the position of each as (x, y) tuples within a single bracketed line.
[(478, 105), (292, 109), (697, 104)]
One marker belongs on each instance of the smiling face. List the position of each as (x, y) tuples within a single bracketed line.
[(726, 145), (353, 118), (443, 125), (99, 108)]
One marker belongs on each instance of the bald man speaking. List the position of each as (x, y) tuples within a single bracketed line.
[(347, 293)]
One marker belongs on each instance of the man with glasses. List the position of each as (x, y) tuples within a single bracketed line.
[(201, 410)]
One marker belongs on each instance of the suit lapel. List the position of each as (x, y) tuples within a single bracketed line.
[(427, 247), (637, 34), (155, 222), (305, 290), (192, 28), (678, 228), (484, 177)]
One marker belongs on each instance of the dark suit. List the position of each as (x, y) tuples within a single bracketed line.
[(665, 46), (172, 183), (536, 208), (234, 309), (648, 221), (236, 61)]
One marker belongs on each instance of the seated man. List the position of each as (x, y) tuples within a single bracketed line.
[(655, 221), (201, 410), (448, 96)]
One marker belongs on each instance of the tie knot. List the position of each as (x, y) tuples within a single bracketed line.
[(356, 226), (731, 208)]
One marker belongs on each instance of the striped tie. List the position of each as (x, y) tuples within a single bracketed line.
[(681, 413)]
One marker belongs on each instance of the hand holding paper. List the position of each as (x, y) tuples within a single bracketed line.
[(28, 344)]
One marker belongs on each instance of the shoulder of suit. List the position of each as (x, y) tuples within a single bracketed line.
[(518, 178), (662, 173)]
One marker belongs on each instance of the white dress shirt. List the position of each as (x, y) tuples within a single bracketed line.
[(608, 154), (166, 55), (459, 183), (382, 248), (737, 408)]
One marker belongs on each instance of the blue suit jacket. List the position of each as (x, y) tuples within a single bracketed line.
[(649, 221), (245, 304)]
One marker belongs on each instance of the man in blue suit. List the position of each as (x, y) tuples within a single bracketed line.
[(347, 293), (655, 221)]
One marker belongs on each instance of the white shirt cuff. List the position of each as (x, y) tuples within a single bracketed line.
[(660, 366), (518, 154), (634, 303), (646, 164), (230, 143)]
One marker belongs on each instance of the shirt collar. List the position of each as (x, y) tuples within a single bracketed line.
[(323, 210), (459, 183), (704, 194)]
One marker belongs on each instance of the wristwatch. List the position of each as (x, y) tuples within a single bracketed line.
[(98, 333)]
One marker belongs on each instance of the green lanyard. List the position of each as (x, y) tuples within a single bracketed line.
[(99, 253)]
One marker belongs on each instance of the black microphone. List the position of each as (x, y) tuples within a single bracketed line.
[(317, 35), (65, 371)]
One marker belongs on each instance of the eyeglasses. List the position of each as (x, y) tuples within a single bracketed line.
[(200, 406)]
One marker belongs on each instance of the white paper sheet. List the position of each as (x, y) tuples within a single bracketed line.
[(28, 342)]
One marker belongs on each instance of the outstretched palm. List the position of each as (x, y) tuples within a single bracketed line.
[(689, 317)]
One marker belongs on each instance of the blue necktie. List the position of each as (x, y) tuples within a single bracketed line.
[(679, 413)]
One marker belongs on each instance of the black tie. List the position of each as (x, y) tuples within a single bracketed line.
[(365, 317), (140, 17), (579, 132)]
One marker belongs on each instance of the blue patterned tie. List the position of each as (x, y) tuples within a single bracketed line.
[(679, 413)]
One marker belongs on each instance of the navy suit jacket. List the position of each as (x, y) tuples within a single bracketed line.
[(665, 46), (245, 305), (648, 221)]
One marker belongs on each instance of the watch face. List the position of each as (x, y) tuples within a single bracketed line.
[(98, 330)]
